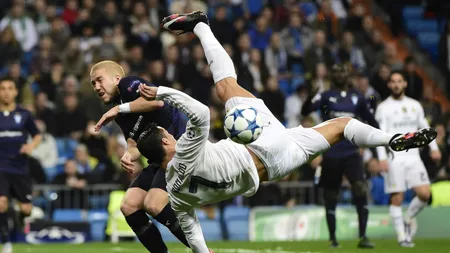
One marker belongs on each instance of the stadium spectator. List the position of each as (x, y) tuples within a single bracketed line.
[(42, 56), (364, 35), (293, 106), (222, 27), (16, 74), (10, 49), (328, 22), (274, 98), (109, 18), (371, 51), (254, 75), (45, 112), (296, 38), (73, 61), (350, 53), (60, 35), (260, 34), (318, 52), (46, 152), (390, 56), (23, 27), (275, 56), (370, 94), (172, 65), (380, 79), (242, 52), (71, 118), (70, 12), (41, 17), (108, 50), (157, 73), (354, 21), (444, 52), (320, 80), (96, 142), (432, 109), (76, 197), (415, 82)]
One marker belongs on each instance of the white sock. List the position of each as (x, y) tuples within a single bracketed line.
[(414, 208), (219, 61), (365, 136), (397, 220)]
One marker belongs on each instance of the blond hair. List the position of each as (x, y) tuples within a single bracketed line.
[(111, 67)]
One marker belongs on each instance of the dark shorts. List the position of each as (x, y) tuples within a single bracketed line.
[(16, 186), (333, 169), (150, 177)]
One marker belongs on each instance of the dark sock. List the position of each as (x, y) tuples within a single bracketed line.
[(4, 231), (168, 218), (430, 200), (363, 214), (331, 221), (147, 233)]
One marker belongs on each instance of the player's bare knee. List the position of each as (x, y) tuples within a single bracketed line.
[(359, 189), (3, 204), (25, 208), (129, 206), (155, 201), (424, 196)]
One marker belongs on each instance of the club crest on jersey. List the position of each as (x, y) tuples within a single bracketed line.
[(404, 109), (17, 118), (354, 99), (190, 134)]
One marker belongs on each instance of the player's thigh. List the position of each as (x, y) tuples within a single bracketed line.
[(418, 180), (311, 142), (331, 174), (135, 195), (354, 171), (332, 130), (228, 88), (395, 177), (157, 197)]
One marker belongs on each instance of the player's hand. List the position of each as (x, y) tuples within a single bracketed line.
[(210, 251), (26, 149), (126, 162), (436, 156), (384, 166), (107, 117), (148, 92)]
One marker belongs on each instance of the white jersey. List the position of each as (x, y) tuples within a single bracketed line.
[(202, 172), (401, 116)]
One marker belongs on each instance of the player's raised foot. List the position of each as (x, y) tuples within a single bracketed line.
[(7, 248), (407, 244), (183, 23), (400, 142), (334, 244), (365, 243)]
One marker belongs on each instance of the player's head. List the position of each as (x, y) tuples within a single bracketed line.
[(8, 91), (397, 84), (340, 75), (155, 144), (105, 76)]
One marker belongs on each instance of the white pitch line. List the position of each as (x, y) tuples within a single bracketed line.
[(258, 251)]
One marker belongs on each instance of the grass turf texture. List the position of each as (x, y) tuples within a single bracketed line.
[(382, 246)]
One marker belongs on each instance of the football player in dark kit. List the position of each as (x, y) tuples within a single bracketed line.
[(343, 158), (147, 193), (16, 124)]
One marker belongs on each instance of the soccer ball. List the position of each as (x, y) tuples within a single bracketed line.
[(243, 124)]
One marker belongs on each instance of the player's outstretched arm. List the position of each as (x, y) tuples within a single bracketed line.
[(192, 230), (137, 106), (197, 112)]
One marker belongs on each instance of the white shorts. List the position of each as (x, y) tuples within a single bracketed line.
[(281, 150), (404, 173)]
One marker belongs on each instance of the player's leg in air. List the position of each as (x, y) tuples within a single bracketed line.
[(332, 131)]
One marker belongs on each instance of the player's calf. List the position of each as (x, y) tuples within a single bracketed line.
[(157, 205), (3, 204), (25, 209)]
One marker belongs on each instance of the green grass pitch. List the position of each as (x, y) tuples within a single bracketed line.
[(382, 246)]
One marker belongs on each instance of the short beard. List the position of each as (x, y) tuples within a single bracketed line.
[(398, 95)]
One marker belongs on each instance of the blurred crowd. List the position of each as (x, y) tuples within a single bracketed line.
[(282, 49)]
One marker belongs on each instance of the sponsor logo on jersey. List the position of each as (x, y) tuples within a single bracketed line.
[(355, 99), (181, 171), (10, 133), (17, 118)]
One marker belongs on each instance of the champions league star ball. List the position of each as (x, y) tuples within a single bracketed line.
[(243, 124)]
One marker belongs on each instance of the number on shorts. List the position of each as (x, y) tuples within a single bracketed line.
[(196, 181), (423, 176)]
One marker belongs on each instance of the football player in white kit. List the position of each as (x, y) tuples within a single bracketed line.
[(199, 172), (399, 113)]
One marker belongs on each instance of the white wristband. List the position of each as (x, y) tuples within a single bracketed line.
[(125, 108)]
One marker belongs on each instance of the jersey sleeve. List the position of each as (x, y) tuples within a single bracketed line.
[(382, 123), (313, 103), (423, 123), (190, 225), (197, 128), (31, 126)]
